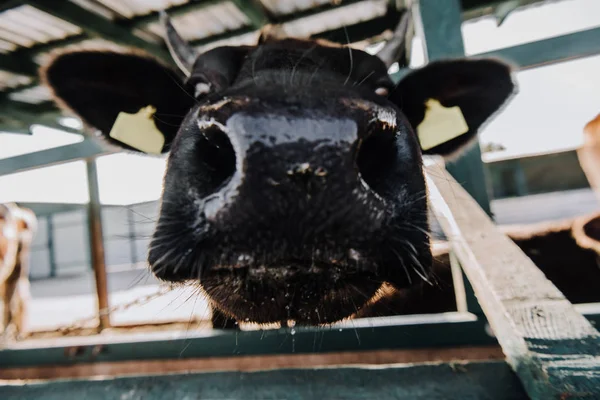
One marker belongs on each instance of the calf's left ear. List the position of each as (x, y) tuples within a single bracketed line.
[(446, 102), (100, 86)]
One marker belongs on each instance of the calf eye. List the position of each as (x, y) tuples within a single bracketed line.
[(382, 91)]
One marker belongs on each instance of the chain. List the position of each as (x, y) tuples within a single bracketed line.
[(80, 323)]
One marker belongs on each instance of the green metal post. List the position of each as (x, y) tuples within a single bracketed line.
[(131, 235), (51, 249), (440, 27), (97, 244)]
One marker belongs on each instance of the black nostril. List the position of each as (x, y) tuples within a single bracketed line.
[(378, 158), (215, 159)]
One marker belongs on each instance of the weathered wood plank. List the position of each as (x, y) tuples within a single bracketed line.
[(482, 380), (554, 349)]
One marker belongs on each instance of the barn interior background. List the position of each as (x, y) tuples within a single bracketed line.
[(528, 172)]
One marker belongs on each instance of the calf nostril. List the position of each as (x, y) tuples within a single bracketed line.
[(215, 158), (377, 158)]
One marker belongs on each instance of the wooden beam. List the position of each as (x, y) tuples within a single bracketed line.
[(55, 156), (554, 349), (96, 25), (548, 51), (97, 244)]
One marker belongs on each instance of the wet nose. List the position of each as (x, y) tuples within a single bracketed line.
[(279, 156)]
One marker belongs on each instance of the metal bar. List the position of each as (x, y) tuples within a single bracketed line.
[(553, 348), (132, 237), (47, 209), (440, 27), (361, 30), (97, 244), (254, 12), (548, 51), (413, 331), (17, 65), (315, 10), (8, 4), (143, 20), (51, 249), (55, 156), (469, 380), (98, 26), (478, 8), (221, 36)]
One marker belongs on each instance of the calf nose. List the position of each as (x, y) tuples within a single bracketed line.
[(281, 162)]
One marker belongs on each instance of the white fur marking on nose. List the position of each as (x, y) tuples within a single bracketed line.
[(213, 204)]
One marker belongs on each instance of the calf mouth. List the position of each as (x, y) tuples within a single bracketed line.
[(309, 292)]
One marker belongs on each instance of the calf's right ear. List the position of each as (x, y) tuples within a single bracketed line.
[(99, 85)]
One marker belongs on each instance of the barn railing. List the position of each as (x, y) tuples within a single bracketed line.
[(549, 344)]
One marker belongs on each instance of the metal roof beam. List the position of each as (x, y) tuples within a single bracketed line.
[(253, 11), (143, 20), (548, 51), (313, 11), (58, 155), (220, 36), (17, 65), (96, 25), (361, 30)]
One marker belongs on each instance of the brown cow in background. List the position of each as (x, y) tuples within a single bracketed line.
[(17, 229), (589, 154)]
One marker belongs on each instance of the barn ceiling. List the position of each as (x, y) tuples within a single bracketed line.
[(30, 30)]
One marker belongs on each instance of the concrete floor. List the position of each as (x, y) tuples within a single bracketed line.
[(60, 302)]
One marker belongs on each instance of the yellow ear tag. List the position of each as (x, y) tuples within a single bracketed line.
[(138, 131), (440, 125)]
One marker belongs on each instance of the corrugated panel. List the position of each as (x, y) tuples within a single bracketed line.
[(333, 19), (94, 7), (285, 7), (25, 26), (9, 80), (307, 26), (132, 8), (34, 95), (7, 47), (206, 21), (247, 39), (89, 44)]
